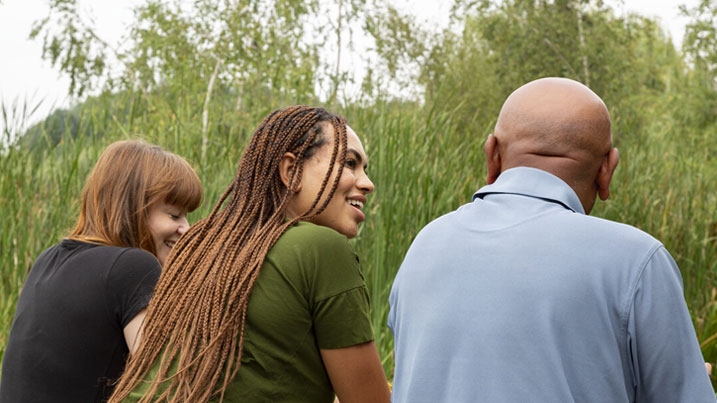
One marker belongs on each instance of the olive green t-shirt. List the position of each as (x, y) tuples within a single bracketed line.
[(310, 295)]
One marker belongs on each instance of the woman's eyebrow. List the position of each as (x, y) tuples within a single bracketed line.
[(358, 157)]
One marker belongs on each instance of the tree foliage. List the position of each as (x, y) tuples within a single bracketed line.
[(197, 76), (700, 46), (204, 64), (700, 40), (71, 44), (495, 46)]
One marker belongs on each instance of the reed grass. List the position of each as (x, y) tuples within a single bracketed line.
[(423, 165)]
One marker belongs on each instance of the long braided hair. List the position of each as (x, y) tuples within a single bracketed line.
[(194, 326)]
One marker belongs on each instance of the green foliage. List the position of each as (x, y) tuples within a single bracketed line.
[(700, 47), (14, 118), (59, 125), (197, 78), (423, 166), (503, 45), (255, 43), (71, 45), (700, 40)]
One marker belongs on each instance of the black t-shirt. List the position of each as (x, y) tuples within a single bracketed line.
[(67, 342)]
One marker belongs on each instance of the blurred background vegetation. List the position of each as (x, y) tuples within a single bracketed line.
[(198, 77)]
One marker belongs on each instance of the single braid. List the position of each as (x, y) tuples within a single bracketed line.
[(194, 328)]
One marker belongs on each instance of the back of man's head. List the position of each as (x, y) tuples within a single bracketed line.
[(560, 126)]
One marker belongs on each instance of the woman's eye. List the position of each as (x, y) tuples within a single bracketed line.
[(351, 163), (175, 216)]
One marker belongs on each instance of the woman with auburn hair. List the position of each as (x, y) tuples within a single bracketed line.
[(264, 300), (83, 301)]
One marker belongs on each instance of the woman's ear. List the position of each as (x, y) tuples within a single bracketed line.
[(287, 166)]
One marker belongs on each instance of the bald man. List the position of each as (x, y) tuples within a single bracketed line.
[(521, 296)]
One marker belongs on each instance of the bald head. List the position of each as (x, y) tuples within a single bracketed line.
[(554, 117), (557, 125)]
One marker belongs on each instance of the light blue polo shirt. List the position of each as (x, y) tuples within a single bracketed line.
[(521, 297)]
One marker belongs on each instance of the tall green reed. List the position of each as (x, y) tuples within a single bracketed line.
[(423, 166), (665, 185), (39, 200), (423, 163)]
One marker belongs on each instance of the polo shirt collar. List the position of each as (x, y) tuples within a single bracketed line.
[(536, 183)]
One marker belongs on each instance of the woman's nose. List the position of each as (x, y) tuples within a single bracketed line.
[(183, 226), (365, 183)]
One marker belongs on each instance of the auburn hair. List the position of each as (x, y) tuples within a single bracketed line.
[(193, 333), (129, 177)]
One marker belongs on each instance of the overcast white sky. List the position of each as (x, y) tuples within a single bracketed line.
[(26, 78)]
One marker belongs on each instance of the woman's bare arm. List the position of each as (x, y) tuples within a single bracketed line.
[(133, 330), (356, 374)]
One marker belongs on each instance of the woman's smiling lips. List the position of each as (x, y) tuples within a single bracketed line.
[(357, 202)]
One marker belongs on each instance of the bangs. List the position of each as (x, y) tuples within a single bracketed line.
[(186, 193), (178, 184)]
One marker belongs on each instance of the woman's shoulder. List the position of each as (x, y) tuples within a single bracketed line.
[(111, 253), (310, 232), (137, 256), (120, 260), (132, 268), (310, 239), (316, 255)]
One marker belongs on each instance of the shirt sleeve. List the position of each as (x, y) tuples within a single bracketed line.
[(341, 306), (343, 320), (131, 282), (666, 359)]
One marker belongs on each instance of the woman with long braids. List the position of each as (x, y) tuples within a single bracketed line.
[(264, 300), (83, 301)]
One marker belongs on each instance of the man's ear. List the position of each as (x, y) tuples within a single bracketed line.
[(607, 168), (492, 158), (287, 166)]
